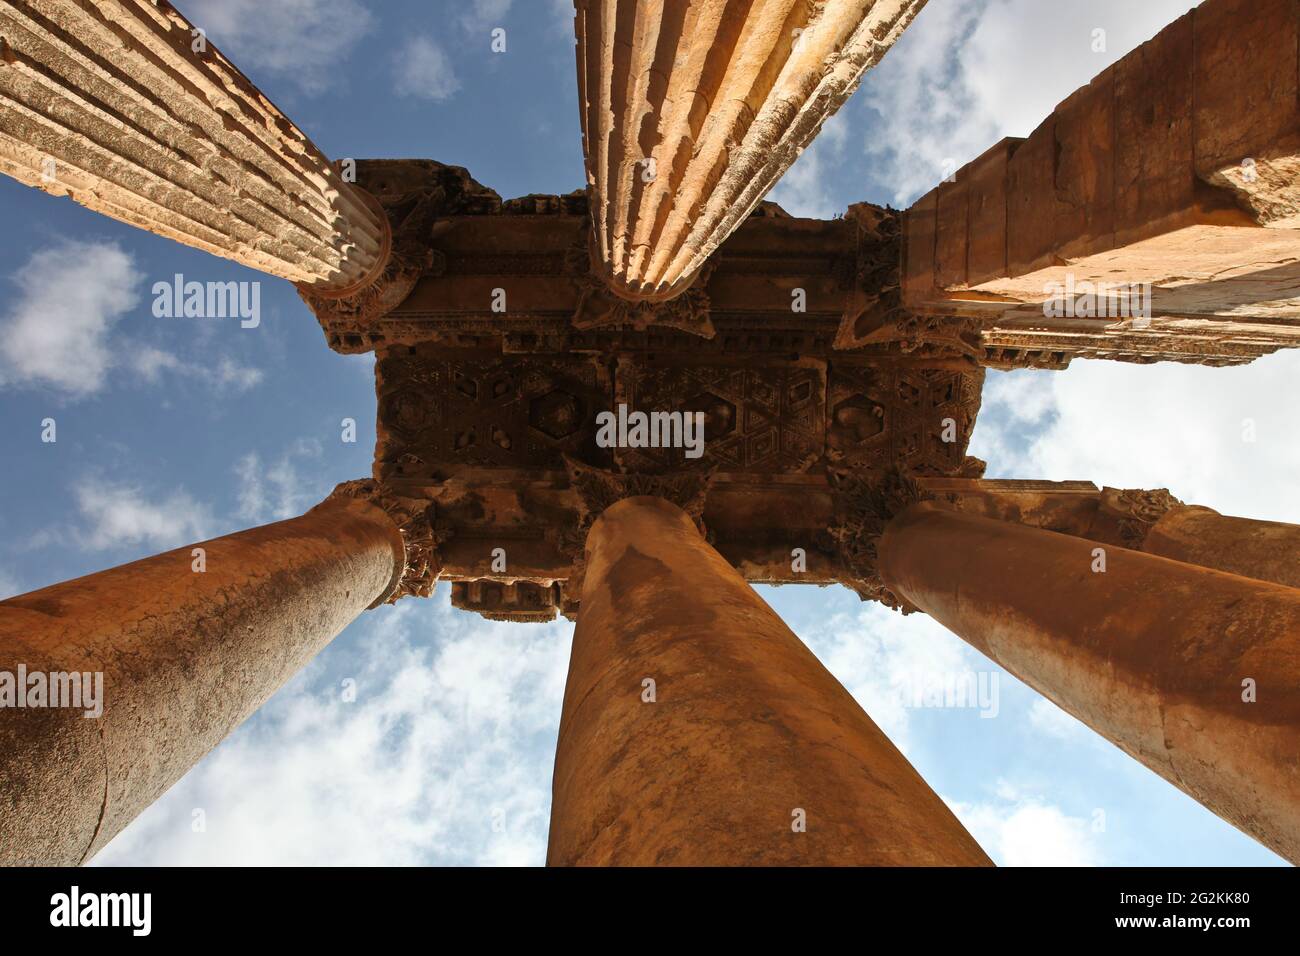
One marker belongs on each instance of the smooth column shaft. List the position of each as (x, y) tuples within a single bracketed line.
[(1267, 550), (698, 729), (1192, 671), (186, 655)]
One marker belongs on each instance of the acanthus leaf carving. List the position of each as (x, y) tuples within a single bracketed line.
[(600, 307), (865, 504), (421, 537), (1136, 510), (598, 489), (409, 197), (874, 313)]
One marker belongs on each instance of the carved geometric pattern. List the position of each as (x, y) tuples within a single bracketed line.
[(765, 419), (491, 411), (879, 415)]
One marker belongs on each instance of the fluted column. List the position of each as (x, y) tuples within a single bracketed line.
[(189, 644), (124, 107), (698, 730), (1194, 672), (692, 110)]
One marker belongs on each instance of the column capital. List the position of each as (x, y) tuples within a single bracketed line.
[(598, 490), (407, 197), (417, 563), (1128, 514), (864, 506)]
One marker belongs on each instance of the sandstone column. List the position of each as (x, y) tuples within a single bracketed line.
[(1194, 672), (692, 109), (129, 109), (186, 655), (747, 733), (1150, 520), (1267, 550)]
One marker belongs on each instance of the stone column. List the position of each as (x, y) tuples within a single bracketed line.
[(1194, 672), (1153, 521), (698, 730), (693, 109), (129, 109), (1267, 550), (186, 655)]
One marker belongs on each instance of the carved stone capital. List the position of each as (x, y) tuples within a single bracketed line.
[(599, 306), (864, 505), (414, 519), (597, 489), (875, 301), (1132, 512), (409, 196), (874, 313)]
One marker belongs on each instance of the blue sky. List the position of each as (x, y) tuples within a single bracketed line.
[(173, 430)]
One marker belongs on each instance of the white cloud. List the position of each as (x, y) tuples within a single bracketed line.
[(9, 585), (424, 70), (443, 758), (57, 332), (482, 15), (302, 41), (1182, 427), (1017, 830), (121, 514), (277, 491), (803, 190), (61, 333), (965, 75), (1047, 718), (227, 374), (880, 655)]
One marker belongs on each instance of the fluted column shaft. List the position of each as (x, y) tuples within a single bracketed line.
[(123, 106), (1194, 672), (698, 730), (188, 647), (693, 109)]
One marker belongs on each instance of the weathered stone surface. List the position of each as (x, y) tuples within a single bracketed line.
[(493, 441), (1150, 520), (411, 197), (691, 111), (746, 735), (1265, 550), (519, 602), (1247, 105), (186, 657), (986, 186), (124, 107), (1155, 655), (1162, 171)]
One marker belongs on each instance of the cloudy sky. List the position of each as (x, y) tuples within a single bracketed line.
[(172, 430)]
